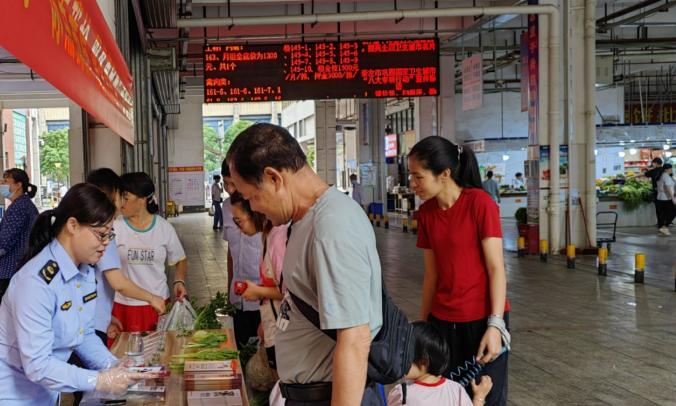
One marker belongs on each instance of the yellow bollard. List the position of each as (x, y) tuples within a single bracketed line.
[(386, 222), (602, 259), (544, 249), (371, 218), (404, 224), (377, 220), (414, 226), (639, 268), (521, 247), (570, 256)]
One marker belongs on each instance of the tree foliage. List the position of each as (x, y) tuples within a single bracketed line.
[(215, 148), (54, 158)]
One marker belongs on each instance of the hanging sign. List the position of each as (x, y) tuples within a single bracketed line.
[(69, 44), (472, 82)]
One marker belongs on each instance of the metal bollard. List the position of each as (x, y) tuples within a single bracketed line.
[(601, 260), (414, 226), (544, 248), (639, 268), (377, 220), (521, 247), (371, 218), (570, 256), (386, 222), (404, 224)]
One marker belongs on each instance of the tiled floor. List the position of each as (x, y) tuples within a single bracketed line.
[(577, 338)]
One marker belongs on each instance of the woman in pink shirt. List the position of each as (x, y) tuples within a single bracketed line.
[(269, 292)]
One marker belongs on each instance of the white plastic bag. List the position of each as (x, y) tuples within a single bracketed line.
[(181, 317), (211, 210)]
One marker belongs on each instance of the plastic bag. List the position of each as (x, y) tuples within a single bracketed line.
[(181, 317), (259, 375), (212, 210)]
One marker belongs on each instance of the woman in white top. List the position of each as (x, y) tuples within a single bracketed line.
[(145, 242), (665, 200)]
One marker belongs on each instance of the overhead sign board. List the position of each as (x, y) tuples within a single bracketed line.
[(69, 44), (322, 70), (472, 82), (390, 145)]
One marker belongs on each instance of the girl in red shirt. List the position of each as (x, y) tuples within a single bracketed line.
[(464, 288)]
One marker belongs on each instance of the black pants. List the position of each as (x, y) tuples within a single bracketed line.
[(246, 326), (665, 212), (75, 360), (4, 284), (371, 398), (463, 340), (218, 214)]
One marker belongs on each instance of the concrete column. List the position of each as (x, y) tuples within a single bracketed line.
[(106, 149), (425, 111), (576, 84), (371, 148), (446, 99), (76, 145), (325, 140)]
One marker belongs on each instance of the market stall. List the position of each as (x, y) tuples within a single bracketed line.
[(631, 197), (510, 201), (208, 376)]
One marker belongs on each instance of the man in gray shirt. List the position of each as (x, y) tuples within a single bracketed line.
[(491, 187), (331, 263)]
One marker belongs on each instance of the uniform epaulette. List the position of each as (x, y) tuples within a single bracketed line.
[(49, 271)]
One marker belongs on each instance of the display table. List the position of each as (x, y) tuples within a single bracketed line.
[(643, 216), (176, 389), (510, 202)]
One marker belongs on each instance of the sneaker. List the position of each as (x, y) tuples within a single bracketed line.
[(665, 231)]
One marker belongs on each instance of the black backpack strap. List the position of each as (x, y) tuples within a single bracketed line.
[(311, 314), (403, 393)]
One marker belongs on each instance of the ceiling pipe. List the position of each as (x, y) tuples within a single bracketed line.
[(553, 65), (366, 16)]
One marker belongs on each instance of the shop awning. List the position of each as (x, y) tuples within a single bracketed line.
[(69, 44)]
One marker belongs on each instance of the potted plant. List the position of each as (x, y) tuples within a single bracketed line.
[(521, 216)]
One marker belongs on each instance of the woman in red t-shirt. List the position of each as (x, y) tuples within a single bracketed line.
[(464, 288)]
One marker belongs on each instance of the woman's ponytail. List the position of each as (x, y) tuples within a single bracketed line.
[(151, 205), (41, 235), (31, 190)]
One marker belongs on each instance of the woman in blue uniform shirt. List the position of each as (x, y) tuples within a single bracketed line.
[(48, 310)]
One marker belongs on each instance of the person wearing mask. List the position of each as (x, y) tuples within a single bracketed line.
[(518, 183), (654, 174), (244, 255), (491, 187), (146, 242), (465, 284), (665, 200), (16, 223), (49, 309), (357, 191), (216, 200), (269, 292), (331, 263)]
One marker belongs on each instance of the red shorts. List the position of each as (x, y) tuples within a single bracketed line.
[(136, 318)]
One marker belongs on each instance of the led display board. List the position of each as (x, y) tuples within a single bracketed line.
[(322, 70)]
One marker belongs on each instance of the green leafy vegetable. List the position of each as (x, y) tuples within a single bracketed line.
[(209, 355), (206, 316), (207, 339)]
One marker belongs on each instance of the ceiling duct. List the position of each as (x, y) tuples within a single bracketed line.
[(159, 13)]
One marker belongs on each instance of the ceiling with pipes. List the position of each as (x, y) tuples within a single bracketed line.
[(637, 38)]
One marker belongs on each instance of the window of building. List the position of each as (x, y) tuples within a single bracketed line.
[(55, 125), (20, 147)]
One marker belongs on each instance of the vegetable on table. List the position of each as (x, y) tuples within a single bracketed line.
[(207, 339), (209, 355), (206, 316)]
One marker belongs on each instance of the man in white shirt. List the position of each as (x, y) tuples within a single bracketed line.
[(357, 192), (216, 200)]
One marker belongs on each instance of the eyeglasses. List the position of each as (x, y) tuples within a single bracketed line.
[(103, 237)]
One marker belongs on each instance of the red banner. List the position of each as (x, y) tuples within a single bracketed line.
[(69, 44)]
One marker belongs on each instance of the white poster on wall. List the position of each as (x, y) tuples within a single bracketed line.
[(186, 185), (472, 82)]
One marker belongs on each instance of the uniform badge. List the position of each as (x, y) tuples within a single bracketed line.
[(66, 305), (87, 298), (49, 271)]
